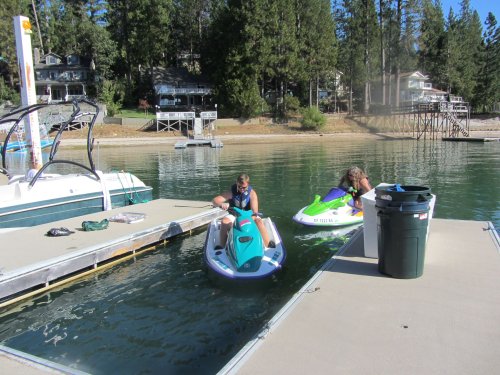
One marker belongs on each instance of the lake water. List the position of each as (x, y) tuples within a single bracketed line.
[(159, 313)]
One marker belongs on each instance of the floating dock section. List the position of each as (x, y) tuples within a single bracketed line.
[(471, 139), (31, 262), (351, 319), (214, 143)]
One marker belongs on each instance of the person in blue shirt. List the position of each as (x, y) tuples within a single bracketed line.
[(243, 196)]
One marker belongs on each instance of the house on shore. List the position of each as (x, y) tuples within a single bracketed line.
[(178, 90), (414, 88), (59, 79)]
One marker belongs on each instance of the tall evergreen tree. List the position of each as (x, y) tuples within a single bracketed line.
[(409, 39), (488, 89), (190, 21), (224, 60), (317, 44), (350, 35), (285, 50), (452, 52), (464, 50), (471, 49), (383, 7), (261, 46), (432, 52), (8, 57), (370, 36), (141, 31)]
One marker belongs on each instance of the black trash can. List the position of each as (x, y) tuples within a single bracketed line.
[(402, 224)]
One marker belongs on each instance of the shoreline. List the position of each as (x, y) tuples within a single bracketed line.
[(230, 139)]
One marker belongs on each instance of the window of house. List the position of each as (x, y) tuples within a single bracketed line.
[(52, 60), (75, 90), (72, 60)]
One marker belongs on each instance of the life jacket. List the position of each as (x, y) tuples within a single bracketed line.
[(240, 199)]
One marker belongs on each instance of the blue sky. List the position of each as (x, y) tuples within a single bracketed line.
[(483, 7)]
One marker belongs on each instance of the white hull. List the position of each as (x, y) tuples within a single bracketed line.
[(55, 197), (219, 262), (332, 218)]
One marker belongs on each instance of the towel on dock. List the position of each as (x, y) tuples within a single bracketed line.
[(89, 226)]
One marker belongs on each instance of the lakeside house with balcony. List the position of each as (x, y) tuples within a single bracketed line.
[(59, 79), (416, 88), (177, 90)]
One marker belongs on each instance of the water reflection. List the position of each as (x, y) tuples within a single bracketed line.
[(333, 239)]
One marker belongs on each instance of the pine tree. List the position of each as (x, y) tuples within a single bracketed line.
[(351, 53), (232, 42), (464, 50), (141, 31), (432, 52), (8, 57), (488, 88), (452, 53), (316, 43), (189, 23)]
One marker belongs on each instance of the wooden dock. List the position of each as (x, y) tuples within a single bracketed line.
[(350, 319), (16, 362), (31, 262)]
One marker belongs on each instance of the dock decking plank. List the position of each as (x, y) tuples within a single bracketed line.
[(352, 319), (29, 258)]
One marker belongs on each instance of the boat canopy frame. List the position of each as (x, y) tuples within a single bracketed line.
[(22, 112)]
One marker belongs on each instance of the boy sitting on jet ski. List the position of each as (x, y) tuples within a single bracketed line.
[(243, 196)]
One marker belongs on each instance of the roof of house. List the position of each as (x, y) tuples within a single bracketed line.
[(174, 75), (42, 63), (414, 74)]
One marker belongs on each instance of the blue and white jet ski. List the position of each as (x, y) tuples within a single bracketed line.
[(335, 209), (244, 256)]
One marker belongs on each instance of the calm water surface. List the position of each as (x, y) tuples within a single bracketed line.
[(160, 313)]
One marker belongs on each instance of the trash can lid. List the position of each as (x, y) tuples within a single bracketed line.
[(404, 193)]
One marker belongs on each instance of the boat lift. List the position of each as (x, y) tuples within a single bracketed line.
[(198, 130)]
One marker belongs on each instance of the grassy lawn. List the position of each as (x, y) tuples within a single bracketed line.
[(135, 113)]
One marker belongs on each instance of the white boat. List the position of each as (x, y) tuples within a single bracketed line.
[(263, 261), (38, 197), (56, 197)]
